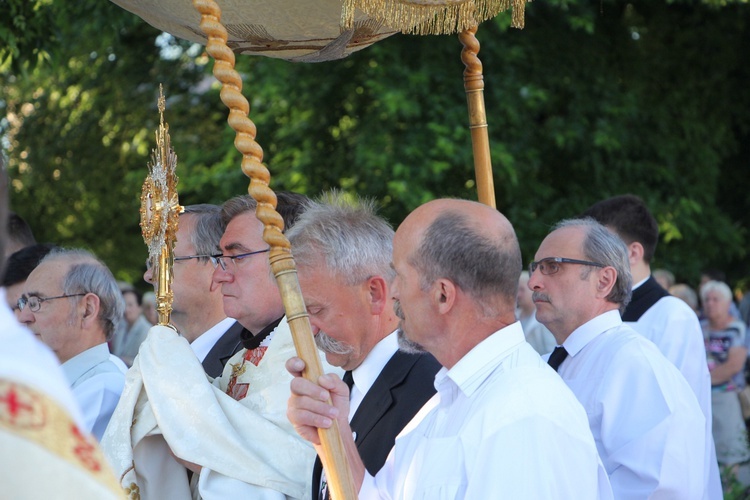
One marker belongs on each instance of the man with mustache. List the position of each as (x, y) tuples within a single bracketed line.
[(502, 424), (343, 253), (649, 429)]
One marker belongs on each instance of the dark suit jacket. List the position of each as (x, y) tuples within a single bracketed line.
[(224, 348), (401, 389)]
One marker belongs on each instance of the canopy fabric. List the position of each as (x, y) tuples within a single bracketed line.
[(295, 30)]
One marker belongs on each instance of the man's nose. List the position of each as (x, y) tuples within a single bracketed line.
[(25, 315), (221, 276), (148, 276)]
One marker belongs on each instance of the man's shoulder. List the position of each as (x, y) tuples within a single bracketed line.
[(631, 353), (672, 308), (412, 369), (105, 372)]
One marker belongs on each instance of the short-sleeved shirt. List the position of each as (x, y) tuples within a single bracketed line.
[(718, 344)]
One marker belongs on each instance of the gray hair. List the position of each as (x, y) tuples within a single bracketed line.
[(485, 268), (88, 274), (603, 246), (237, 206), (208, 227), (347, 235), (716, 286)]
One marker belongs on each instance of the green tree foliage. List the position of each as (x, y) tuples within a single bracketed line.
[(591, 99)]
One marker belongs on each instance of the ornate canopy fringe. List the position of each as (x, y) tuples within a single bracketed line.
[(433, 17)]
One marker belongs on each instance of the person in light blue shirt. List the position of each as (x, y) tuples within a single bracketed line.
[(71, 302)]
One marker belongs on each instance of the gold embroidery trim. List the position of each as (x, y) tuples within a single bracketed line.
[(31, 415)]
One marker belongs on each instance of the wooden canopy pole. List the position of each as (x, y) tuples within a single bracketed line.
[(282, 263), (474, 86)]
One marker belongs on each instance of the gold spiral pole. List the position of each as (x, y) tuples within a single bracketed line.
[(474, 86), (282, 263)]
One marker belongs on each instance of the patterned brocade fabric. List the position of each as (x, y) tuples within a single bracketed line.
[(37, 421)]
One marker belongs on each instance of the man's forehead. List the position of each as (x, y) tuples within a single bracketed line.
[(563, 242), (244, 231), (45, 275), (183, 242)]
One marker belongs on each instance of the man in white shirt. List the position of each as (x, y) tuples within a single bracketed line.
[(649, 429), (71, 302), (665, 320), (343, 253), (502, 424), (197, 309)]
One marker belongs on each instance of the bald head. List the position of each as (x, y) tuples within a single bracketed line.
[(471, 244)]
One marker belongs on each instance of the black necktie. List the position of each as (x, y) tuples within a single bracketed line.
[(348, 380), (557, 357)]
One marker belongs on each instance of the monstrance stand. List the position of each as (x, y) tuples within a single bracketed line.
[(160, 210)]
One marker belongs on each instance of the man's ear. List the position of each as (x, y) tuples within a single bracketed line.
[(90, 304), (606, 281), (377, 293), (635, 253), (444, 295)]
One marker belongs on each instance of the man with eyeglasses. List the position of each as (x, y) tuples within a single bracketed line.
[(665, 320), (197, 309), (72, 302), (231, 432), (649, 429)]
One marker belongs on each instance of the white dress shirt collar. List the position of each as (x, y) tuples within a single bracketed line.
[(206, 341), (590, 330), (82, 362), (369, 370), (471, 370)]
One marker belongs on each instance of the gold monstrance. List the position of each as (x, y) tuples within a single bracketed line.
[(160, 210)]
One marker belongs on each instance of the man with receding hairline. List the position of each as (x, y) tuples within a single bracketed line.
[(663, 319), (647, 424), (502, 424), (197, 310), (72, 303)]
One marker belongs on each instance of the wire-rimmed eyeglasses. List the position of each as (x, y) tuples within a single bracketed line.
[(220, 260), (551, 265), (35, 303), (149, 265)]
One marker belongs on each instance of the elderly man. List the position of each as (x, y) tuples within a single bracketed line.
[(197, 309), (648, 426), (232, 432), (72, 302), (501, 423), (343, 254), (665, 320)]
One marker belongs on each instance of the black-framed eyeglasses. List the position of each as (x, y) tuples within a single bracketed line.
[(188, 257), (220, 260), (551, 265), (35, 303)]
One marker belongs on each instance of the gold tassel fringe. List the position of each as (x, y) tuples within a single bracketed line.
[(433, 17)]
